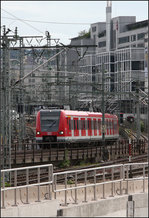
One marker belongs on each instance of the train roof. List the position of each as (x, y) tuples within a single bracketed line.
[(85, 113), (79, 113)]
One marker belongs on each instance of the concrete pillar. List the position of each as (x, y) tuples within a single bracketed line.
[(130, 207)]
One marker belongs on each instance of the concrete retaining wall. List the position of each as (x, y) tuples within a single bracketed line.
[(39, 209), (111, 206), (115, 206)]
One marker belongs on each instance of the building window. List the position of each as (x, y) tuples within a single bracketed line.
[(140, 36), (94, 37), (94, 29), (33, 74), (133, 38), (112, 58), (102, 44), (141, 45), (112, 67), (123, 39), (137, 65)]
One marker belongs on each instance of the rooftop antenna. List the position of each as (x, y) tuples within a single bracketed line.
[(109, 3), (108, 25)]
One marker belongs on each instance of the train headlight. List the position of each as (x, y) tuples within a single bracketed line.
[(61, 132), (38, 133)]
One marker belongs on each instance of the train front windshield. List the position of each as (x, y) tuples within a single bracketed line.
[(49, 121)]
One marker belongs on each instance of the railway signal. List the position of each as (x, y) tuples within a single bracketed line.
[(130, 153), (130, 119)]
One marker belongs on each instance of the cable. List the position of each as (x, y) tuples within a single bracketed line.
[(36, 21), (22, 21)]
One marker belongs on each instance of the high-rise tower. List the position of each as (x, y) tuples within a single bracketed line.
[(108, 25)]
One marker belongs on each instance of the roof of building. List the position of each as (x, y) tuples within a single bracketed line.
[(137, 25)]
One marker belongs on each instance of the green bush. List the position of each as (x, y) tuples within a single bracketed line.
[(7, 184), (66, 162), (142, 126), (70, 182)]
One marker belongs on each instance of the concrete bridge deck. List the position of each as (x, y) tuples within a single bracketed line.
[(109, 207), (107, 198)]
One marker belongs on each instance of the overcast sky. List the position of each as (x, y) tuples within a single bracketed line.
[(65, 18)]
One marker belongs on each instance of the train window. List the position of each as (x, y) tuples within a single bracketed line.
[(115, 124), (77, 125), (74, 124), (94, 124), (49, 121), (91, 124), (88, 124), (83, 124), (107, 124), (67, 121), (99, 124), (70, 124), (111, 125)]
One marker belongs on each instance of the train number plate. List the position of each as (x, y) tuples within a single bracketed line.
[(49, 133)]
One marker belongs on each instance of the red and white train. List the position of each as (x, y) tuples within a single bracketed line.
[(74, 126)]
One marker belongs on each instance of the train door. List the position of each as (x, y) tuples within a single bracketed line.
[(112, 124), (83, 127), (95, 127), (107, 124), (99, 126), (105, 127), (72, 127), (89, 127), (115, 127), (110, 127), (76, 127), (69, 126)]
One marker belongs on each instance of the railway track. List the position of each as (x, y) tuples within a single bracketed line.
[(33, 177), (56, 153)]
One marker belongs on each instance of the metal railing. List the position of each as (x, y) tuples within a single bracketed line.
[(34, 154), (100, 176), (73, 181), (25, 177)]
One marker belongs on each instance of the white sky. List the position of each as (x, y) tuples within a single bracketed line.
[(65, 12)]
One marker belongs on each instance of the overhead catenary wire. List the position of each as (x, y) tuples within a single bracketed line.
[(50, 22), (51, 58), (22, 21), (58, 22)]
